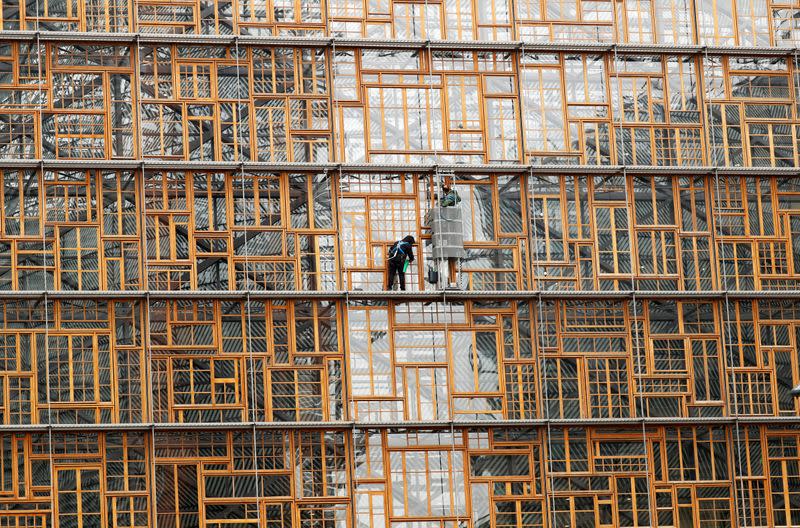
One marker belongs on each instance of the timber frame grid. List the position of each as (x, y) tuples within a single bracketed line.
[(251, 404)]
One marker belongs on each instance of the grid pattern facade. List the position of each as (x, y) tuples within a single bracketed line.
[(196, 202)]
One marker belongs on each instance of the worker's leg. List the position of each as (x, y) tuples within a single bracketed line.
[(402, 276), (390, 279)]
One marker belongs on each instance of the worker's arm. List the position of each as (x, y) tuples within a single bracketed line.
[(410, 253)]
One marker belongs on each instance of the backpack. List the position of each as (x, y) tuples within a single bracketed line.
[(396, 253)]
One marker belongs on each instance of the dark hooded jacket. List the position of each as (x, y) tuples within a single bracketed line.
[(408, 248)]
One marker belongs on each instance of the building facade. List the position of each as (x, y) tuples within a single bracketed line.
[(197, 201)]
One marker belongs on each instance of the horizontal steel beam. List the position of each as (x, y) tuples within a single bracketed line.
[(400, 296), (788, 421), (497, 168), (330, 41)]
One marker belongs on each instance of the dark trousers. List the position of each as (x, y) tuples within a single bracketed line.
[(396, 269)]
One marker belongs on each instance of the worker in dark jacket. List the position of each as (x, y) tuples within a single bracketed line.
[(449, 196), (400, 254)]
